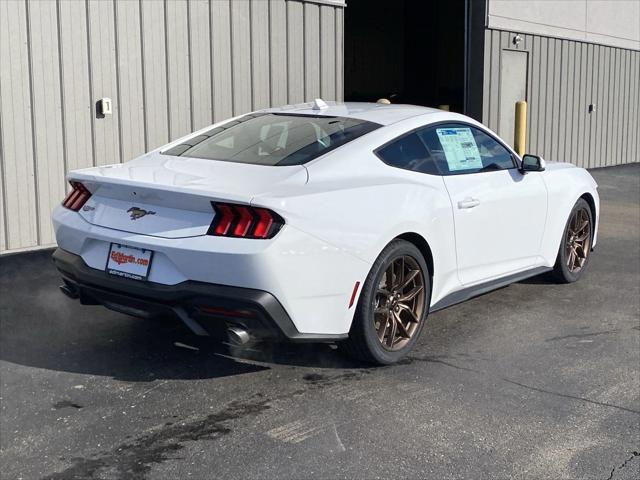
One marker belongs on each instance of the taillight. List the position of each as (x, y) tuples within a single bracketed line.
[(244, 221), (77, 197)]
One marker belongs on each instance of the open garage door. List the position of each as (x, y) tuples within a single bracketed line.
[(405, 50)]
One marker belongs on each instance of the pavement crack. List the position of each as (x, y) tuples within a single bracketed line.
[(624, 464), (523, 385), (580, 335), (566, 395), (441, 362)]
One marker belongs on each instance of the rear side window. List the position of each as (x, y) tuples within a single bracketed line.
[(459, 149), (274, 139), (408, 153)]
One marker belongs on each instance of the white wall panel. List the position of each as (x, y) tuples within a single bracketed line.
[(20, 200), (179, 86), (339, 15), (47, 118), (241, 56), (154, 71), (260, 48), (607, 22), (130, 89), (311, 51), (295, 52), (103, 79), (200, 64), (221, 59), (327, 53), (77, 100), (278, 50)]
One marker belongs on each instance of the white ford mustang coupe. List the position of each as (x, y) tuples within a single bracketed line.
[(341, 222)]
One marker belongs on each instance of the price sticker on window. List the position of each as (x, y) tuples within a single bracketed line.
[(460, 148)]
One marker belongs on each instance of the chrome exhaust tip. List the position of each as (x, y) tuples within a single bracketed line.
[(238, 336), (70, 291)]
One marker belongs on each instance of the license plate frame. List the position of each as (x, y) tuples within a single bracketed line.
[(129, 262)]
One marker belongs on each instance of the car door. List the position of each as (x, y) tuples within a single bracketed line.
[(499, 213)]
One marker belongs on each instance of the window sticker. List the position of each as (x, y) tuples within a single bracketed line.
[(460, 148)]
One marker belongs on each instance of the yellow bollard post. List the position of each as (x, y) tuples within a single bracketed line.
[(520, 128)]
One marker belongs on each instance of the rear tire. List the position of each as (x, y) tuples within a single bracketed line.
[(575, 247), (393, 306)]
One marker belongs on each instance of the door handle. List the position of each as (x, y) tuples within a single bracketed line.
[(468, 203)]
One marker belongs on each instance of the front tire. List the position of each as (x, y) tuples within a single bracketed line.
[(575, 247), (393, 306)]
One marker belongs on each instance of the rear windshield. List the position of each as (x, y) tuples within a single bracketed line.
[(274, 139)]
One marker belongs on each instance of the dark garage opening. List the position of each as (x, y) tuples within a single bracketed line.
[(407, 51)]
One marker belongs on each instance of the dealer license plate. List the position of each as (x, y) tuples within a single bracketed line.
[(129, 262)]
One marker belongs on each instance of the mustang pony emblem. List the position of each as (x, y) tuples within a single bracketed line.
[(137, 213)]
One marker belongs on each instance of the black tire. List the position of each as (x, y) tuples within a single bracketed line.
[(364, 343), (561, 270)]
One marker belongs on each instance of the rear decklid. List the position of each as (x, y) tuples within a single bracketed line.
[(168, 196)]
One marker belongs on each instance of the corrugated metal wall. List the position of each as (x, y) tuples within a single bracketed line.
[(564, 77), (170, 67)]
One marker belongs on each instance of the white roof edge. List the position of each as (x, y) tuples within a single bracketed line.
[(369, 111)]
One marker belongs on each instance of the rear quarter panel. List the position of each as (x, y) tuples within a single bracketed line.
[(358, 204)]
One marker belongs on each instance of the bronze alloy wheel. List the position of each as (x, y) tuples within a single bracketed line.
[(578, 240), (399, 303)]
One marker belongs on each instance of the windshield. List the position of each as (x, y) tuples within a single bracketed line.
[(274, 139)]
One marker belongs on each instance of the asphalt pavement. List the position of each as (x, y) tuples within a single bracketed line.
[(535, 380)]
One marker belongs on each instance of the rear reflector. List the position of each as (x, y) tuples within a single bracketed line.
[(244, 221), (77, 197), (226, 312), (353, 294)]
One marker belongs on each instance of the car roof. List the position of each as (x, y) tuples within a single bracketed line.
[(383, 114)]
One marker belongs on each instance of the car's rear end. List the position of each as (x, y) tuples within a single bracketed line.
[(181, 232)]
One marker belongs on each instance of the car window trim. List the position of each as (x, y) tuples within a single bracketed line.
[(514, 156), (376, 151)]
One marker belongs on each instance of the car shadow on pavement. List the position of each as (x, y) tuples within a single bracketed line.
[(546, 278), (40, 327), (313, 355)]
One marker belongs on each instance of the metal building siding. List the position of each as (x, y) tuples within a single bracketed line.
[(564, 77), (259, 15), (154, 74), (200, 64), (130, 88), (18, 165), (46, 118), (295, 52), (169, 67), (278, 51), (103, 74)]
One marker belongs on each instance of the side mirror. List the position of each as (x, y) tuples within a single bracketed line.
[(532, 163)]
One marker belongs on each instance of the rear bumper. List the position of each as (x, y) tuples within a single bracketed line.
[(212, 306), (310, 278)]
